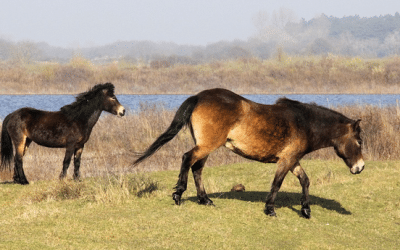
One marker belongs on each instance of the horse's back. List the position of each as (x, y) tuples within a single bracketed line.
[(18, 118), (29, 117)]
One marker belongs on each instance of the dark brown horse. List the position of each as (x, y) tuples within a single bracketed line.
[(282, 133), (68, 128)]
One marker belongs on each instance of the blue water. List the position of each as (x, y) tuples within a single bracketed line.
[(10, 103)]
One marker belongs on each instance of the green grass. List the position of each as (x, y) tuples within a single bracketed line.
[(348, 211)]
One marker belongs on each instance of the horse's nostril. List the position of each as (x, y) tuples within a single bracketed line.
[(356, 170), (122, 113)]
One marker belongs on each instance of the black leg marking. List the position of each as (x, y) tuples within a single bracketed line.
[(67, 159), (283, 169), (299, 172), (197, 170), (77, 163), (181, 185)]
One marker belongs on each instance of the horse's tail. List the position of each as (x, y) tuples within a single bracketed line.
[(6, 149), (182, 117)]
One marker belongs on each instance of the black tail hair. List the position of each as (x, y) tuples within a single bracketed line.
[(6, 147), (181, 118)]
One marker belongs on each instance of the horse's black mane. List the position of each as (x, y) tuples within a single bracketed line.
[(312, 109), (87, 102)]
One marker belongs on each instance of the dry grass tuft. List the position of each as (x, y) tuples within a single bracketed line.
[(111, 189), (55, 191), (104, 189)]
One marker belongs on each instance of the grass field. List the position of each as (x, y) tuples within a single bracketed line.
[(137, 212)]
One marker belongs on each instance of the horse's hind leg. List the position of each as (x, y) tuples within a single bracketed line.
[(299, 172), (67, 160), (77, 163), (19, 175), (197, 169), (181, 185), (188, 159)]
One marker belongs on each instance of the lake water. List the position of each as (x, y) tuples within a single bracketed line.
[(10, 103)]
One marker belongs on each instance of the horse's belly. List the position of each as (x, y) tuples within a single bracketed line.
[(50, 144), (264, 153), (50, 140), (54, 138)]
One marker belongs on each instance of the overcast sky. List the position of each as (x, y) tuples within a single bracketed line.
[(82, 23)]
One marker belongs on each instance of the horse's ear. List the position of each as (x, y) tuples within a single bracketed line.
[(356, 125)]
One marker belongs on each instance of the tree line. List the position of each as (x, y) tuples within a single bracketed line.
[(277, 33)]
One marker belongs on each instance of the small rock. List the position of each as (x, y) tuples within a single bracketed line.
[(238, 188)]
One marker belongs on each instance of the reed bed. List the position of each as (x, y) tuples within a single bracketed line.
[(114, 142), (284, 74)]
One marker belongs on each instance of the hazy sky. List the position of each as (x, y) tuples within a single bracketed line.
[(73, 23)]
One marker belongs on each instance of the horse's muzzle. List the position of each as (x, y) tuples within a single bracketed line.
[(121, 111), (358, 167)]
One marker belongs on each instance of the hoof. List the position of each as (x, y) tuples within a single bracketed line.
[(206, 202), (270, 211), (77, 179), (177, 198), (22, 182), (306, 212)]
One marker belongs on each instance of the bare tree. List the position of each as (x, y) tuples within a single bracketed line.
[(392, 43), (24, 52), (261, 20), (273, 29), (282, 17)]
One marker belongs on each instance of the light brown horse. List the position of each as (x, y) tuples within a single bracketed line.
[(68, 128), (282, 133)]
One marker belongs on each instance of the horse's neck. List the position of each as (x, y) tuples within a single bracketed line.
[(93, 118), (323, 138)]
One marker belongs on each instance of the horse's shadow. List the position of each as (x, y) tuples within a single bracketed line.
[(284, 199), (7, 182)]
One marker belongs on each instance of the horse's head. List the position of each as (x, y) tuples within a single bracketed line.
[(348, 147), (111, 103)]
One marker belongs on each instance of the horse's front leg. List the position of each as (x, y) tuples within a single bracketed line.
[(283, 169), (67, 160), (299, 172), (77, 163)]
